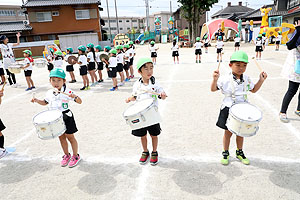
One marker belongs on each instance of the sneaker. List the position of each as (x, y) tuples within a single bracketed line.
[(83, 88), (221, 61), (240, 155), (65, 160), (196, 61), (28, 89), (121, 84), (100, 81), (14, 85), (74, 161), (33, 87), (225, 159), (199, 61), (132, 76), (3, 152), (1, 83), (93, 84), (154, 158), (113, 89), (127, 79), (87, 88), (217, 60), (72, 81), (283, 118), (144, 158), (297, 112)]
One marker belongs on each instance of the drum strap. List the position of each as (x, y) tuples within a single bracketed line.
[(233, 95)]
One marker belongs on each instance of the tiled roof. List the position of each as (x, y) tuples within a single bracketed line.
[(13, 27), (232, 9), (39, 3), (257, 13)]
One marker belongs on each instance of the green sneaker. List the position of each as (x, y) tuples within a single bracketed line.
[(196, 61), (240, 155), (225, 159), (297, 112)]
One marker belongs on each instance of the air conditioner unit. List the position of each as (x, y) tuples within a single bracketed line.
[(26, 22)]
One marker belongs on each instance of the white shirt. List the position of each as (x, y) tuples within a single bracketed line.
[(131, 51), (58, 63), (1, 66), (220, 44), (83, 60), (237, 39), (259, 43), (139, 89), (152, 48), (278, 38), (98, 57), (264, 38), (7, 54), (127, 55), (112, 62), (198, 45), (288, 69), (90, 56), (58, 101), (120, 58), (240, 89), (206, 41), (67, 56), (27, 61), (175, 48)]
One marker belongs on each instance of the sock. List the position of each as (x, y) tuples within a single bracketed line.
[(2, 141)]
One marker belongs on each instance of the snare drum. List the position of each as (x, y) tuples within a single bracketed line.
[(15, 68), (243, 119), (40, 63), (49, 124), (142, 114)]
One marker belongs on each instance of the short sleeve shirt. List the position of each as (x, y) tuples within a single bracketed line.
[(90, 56), (83, 60), (98, 56), (27, 61), (237, 39), (7, 54), (220, 44), (58, 101), (198, 45), (112, 62), (175, 48), (120, 58), (152, 48), (278, 38)]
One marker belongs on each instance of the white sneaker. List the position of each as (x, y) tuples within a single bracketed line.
[(3, 152), (283, 118), (14, 85)]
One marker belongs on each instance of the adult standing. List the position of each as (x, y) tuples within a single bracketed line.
[(8, 56), (219, 33)]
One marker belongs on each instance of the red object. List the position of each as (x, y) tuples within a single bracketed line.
[(30, 59), (181, 37), (213, 26)]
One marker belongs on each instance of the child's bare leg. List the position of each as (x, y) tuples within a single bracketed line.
[(64, 144), (226, 139), (28, 81), (84, 81), (92, 76), (154, 143), (31, 82), (144, 143), (122, 76), (100, 74), (131, 70), (72, 75), (115, 82), (127, 74), (239, 142), (73, 142), (177, 58), (87, 80)]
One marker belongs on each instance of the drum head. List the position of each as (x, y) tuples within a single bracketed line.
[(247, 112), (47, 116), (72, 60), (138, 107)]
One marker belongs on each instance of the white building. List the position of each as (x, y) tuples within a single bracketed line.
[(163, 16), (125, 24)]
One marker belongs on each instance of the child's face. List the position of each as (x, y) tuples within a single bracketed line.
[(57, 82), (89, 49), (68, 51), (238, 68), (25, 55), (80, 52), (147, 71), (97, 50), (5, 41)]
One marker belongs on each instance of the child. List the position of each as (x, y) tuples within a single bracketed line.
[(206, 43), (112, 68), (91, 56), (120, 61), (58, 61), (198, 51), (132, 54), (126, 58), (28, 69), (264, 40), (278, 40), (82, 61), (99, 63), (148, 83), (50, 57), (259, 48), (3, 151), (219, 46), (175, 49), (237, 40), (2, 74), (70, 68), (61, 102), (106, 51), (153, 49), (241, 84)]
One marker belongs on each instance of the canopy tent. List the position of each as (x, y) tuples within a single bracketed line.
[(212, 26)]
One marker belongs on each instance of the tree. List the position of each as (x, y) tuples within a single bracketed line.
[(192, 11)]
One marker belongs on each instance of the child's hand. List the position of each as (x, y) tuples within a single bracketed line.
[(33, 100), (18, 34), (263, 76), (1, 93), (163, 95), (216, 75), (72, 96)]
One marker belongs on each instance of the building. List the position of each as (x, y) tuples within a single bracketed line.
[(126, 24), (163, 16), (11, 13), (50, 18), (232, 12)]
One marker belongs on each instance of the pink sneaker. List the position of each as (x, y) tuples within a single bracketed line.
[(65, 161), (74, 161)]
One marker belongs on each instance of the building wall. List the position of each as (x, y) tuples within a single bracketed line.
[(125, 24), (11, 13)]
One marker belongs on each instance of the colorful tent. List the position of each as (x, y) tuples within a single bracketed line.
[(211, 27)]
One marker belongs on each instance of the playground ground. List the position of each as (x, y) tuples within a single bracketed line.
[(190, 144)]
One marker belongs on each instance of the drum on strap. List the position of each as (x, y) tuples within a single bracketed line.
[(49, 124), (243, 119), (141, 114), (72, 60), (41, 63), (15, 68)]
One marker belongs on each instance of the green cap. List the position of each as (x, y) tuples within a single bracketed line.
[(81, 48), (113, 51), (220, 37), (279, 32), (58, 53), (130, 42), (126, 46), (52, 50), (152, 42), (197, 38), (121, 46), (237, 35), (264, 33), (259, 35), (143, 61), (118, 47), (57, 72), (90, 45), (205, 36), (239, 56), (107, 47), (98, 47), (28, 52), (70, 49)]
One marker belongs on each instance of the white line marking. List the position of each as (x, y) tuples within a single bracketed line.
[(272, 63), (27, 135)]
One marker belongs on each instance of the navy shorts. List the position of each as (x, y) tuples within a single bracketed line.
[(224, 113), (83, 70), (2, 127), (69, 120), (153, 130)]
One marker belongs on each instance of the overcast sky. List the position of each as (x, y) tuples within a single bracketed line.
[(137, 7)]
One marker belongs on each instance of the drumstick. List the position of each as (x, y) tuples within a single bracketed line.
[(33, 96), (57, 91), (151, 92), (5, 78), (258, 65), (219, 66)]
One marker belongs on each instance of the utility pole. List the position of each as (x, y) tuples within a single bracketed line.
[(147, 15), (117, 16), (171, 7), (109, 21)]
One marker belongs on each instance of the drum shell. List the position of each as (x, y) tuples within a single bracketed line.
[(40, 63), (50, 130), (15, 69), (145, 118)]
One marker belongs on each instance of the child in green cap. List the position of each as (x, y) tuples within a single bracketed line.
[(219, 46), (258, 46), (28, 69), (60, 102), (3, 151), (242, 84), (153, 50), (206, 43), (147, 83), (198, 52), (278, 40), (237, 40), (69, 67)]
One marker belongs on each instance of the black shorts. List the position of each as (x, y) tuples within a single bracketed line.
[(1, 71), (69, 68), (198, 52), (28, 73), (237, 44), (91, 66), (277, 42), (223, 118), (153, 130), (259, 49), (83, 70), (2, 127), (50, 66), (126, 66), (131, 61), (205, 44), (219, 50), (100, 65), (153, 54), (112, 72), (119, 67), (175, 53), (69, 120)]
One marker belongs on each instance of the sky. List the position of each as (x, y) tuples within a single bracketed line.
[(137, 7)]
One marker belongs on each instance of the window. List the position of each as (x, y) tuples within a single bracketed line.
[(37, 38), (105, 21), (128, 28), (113, 28), (21, 13), (293, 3), (7, 13), (127, 20), (106, 29), (51, 37), (82, 14), (43, 16), (55, 13), (120, 21), (113, 21), (121, 29), (134, 20)]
